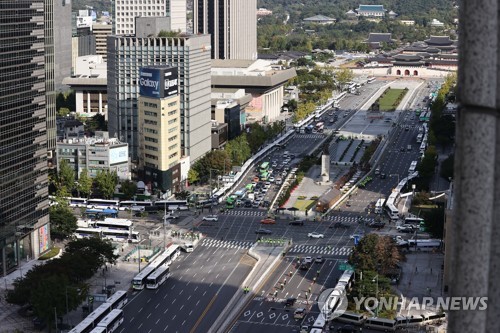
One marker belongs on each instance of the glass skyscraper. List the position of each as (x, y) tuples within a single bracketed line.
[(24, 206)]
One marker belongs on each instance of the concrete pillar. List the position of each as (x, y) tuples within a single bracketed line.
[(475, 262)]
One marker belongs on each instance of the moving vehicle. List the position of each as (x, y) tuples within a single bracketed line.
[(319, 260), (315, 235), (261, 231), (103, 204), (379, 206), (299, 313), (268, 221), (377, 225), (164, 259), (187, 247), (214, 218), (167, 205), (158, 277)]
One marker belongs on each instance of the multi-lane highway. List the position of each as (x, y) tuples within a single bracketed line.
[(201, 284)]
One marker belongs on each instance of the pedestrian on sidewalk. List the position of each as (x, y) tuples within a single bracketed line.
[(284, 281), (291, 273), (416, 269)]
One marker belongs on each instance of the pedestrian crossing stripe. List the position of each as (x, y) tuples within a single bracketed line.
[(245, 212), (346, 219), (309, 136), (210, 242), (321, 249)]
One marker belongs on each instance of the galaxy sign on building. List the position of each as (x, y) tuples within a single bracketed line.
[(158, 81)]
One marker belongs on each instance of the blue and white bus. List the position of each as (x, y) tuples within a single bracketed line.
[(112, 321), (172, 204), (103, 204), (158, 277), (114, 223)]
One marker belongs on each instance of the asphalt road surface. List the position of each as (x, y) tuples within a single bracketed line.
[(201, 284)]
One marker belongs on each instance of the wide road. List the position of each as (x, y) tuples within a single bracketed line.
[(267, 311), (201, 284)]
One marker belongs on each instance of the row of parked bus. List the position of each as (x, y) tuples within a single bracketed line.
[(106, 318), (113, 204), (158, 271)]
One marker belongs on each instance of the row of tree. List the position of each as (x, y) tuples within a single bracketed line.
[(60, 285), (235, 153)]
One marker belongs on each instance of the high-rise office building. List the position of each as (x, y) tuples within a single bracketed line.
[(127, 10), (191, 56), (159, 128), (24, 206), (62, 42), (232, 25), (101, 32)]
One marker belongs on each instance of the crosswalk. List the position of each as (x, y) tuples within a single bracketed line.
[(321, 249), (314, 136), (228, 244), (246, 212), (347, 219)]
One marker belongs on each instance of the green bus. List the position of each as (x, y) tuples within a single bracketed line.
[(417, 112), (249, 187), (230, 202), (264, 167), (264, 175)]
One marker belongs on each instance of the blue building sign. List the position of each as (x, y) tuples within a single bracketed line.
[(158, 81)]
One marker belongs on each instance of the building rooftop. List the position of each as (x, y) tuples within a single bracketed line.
[(439, 40), (319, 18), (371, 8), (377, 37)]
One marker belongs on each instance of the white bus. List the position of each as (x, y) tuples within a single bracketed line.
[(114, 223), (379, 206), (420, 136), (158, 277), (76, 202), (88, 232), (112, 321), (413, 167), (118, 299), (187, 247), (103, 204), (371, 79), (171, 253), (120, 235), (346, 279), (381, 324), (172, 204), (139, 281), (137, 206), (92, 320)]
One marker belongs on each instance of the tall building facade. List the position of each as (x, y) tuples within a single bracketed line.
[(159, 128), (232, 25), (62, 42), (24, 206), (127, 10), (191, 56), (101, 32)]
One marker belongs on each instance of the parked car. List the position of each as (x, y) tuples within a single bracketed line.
[(298, 222), (315, 235), (210, 218), (262, 231)]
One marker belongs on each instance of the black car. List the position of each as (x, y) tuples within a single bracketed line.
[(263, 231), (290, 301), (341, 225), (383, 176), (299, 222), (266, 203), (248, 204), (376, 225)]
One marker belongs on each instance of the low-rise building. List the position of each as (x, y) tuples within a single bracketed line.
[(259, 78), (376, 11), (320, 19), (219, 135), (89, 82), (99, 153)]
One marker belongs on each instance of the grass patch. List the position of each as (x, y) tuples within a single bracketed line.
[(391, 97), (304, 204), (50, 254)]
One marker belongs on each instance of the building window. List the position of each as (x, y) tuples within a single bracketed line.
[(172, 146), (150, 122), (147, 138), (149, 130), (172, 104), (172, 155), (171, 113), (151, 148), (149, 113), (173, 129), (171, 121), (153, 157), (172, 138)]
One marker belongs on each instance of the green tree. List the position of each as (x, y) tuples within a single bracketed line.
[(193, 176), (343, 75), (63, 112), (129, 188), (238, 150), (66, 176), (447, 167), (100, 250), (62, 221), (106, 183), (96, 123), (164, 33), (256, 137), (375, 253), (85, 182)]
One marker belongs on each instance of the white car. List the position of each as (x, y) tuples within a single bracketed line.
[(271, 179), (211, 218), (315, 235)]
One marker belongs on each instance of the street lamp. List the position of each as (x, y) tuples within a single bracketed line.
[(375, 279)]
